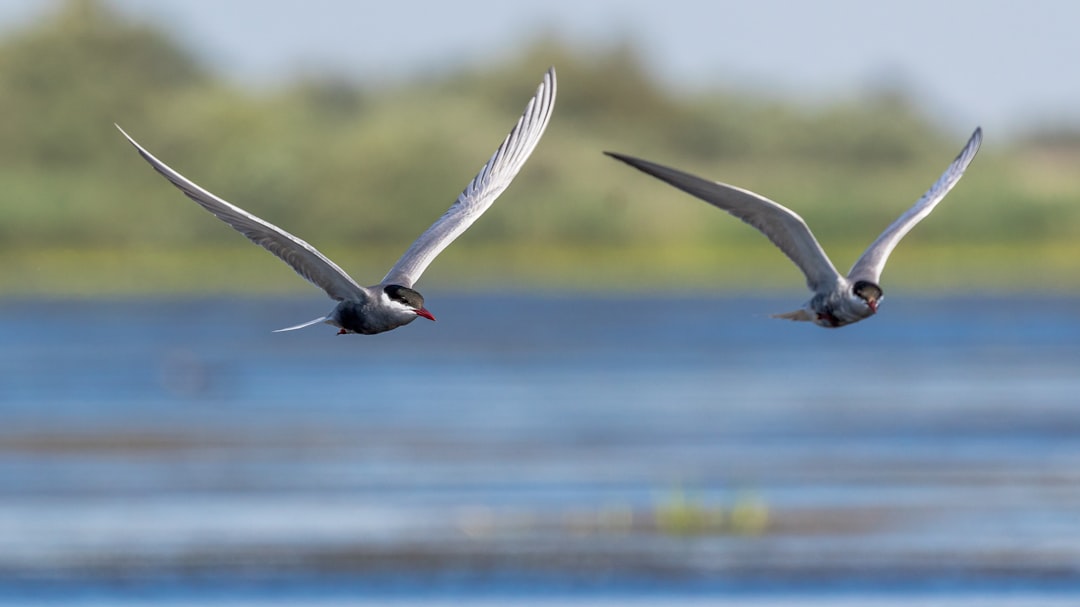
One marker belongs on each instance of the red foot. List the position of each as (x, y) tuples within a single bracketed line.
[(342, 332), (828, 319)]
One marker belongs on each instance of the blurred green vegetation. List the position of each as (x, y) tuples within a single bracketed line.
[(359, 171), (686, 514)]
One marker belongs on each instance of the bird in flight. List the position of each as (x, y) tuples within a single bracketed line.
[(838, 300), (393, 302)]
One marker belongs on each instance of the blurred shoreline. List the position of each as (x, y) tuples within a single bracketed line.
[(724, 268)]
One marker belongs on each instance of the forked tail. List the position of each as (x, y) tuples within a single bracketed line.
[(800, 314), (302, 325)]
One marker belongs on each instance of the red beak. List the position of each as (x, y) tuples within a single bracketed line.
[(871, 302), (423, 312)]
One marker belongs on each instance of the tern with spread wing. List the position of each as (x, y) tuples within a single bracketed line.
[(837, 300), (393, 302)]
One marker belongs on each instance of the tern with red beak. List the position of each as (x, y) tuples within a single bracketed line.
[(838, 300), (393, 302)]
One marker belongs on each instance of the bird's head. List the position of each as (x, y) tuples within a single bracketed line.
[(407, 300), (869, 293)]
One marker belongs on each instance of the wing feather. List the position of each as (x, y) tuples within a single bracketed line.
[(870, 265), (489, 183), (781, 225), (301, 256)]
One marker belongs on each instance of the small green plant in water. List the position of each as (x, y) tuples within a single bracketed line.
[(682, 513), (749, 515)]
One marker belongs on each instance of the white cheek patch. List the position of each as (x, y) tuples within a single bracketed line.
[(859, 303), (397, 306)]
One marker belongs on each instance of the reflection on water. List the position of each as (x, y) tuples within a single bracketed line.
[(533, 442)]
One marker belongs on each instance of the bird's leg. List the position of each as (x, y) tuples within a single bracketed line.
[(342, 332), (826, 318)]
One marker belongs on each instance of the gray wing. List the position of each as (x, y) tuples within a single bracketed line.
[(304, 258), (872, 262), (781, 225), (492, 179)]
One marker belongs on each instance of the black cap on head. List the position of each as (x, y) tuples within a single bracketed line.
[(405, 295), (867, 290)]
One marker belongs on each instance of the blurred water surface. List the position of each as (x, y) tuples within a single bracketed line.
[(536, 447)]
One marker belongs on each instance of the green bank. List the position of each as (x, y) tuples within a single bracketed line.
[(360, 168)]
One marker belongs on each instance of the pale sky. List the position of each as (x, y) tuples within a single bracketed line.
[(1002, 64)]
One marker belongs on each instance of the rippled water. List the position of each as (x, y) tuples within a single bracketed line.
[(562, 449)]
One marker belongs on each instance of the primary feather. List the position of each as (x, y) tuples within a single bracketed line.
[(488, 184), (870, 265), (305, 259), (781, 225)]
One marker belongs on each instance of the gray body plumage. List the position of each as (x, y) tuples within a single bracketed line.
[(391, 303), (366, 317), (834, 308), (838, 300)]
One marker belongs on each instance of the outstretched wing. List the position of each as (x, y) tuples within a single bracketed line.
[(493, 178), (781, 225), (302, 257), (872, 262)]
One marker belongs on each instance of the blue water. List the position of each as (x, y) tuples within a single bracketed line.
[(525, 448)]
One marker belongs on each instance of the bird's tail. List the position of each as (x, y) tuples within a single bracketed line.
[(800, 314), (302, 325)]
